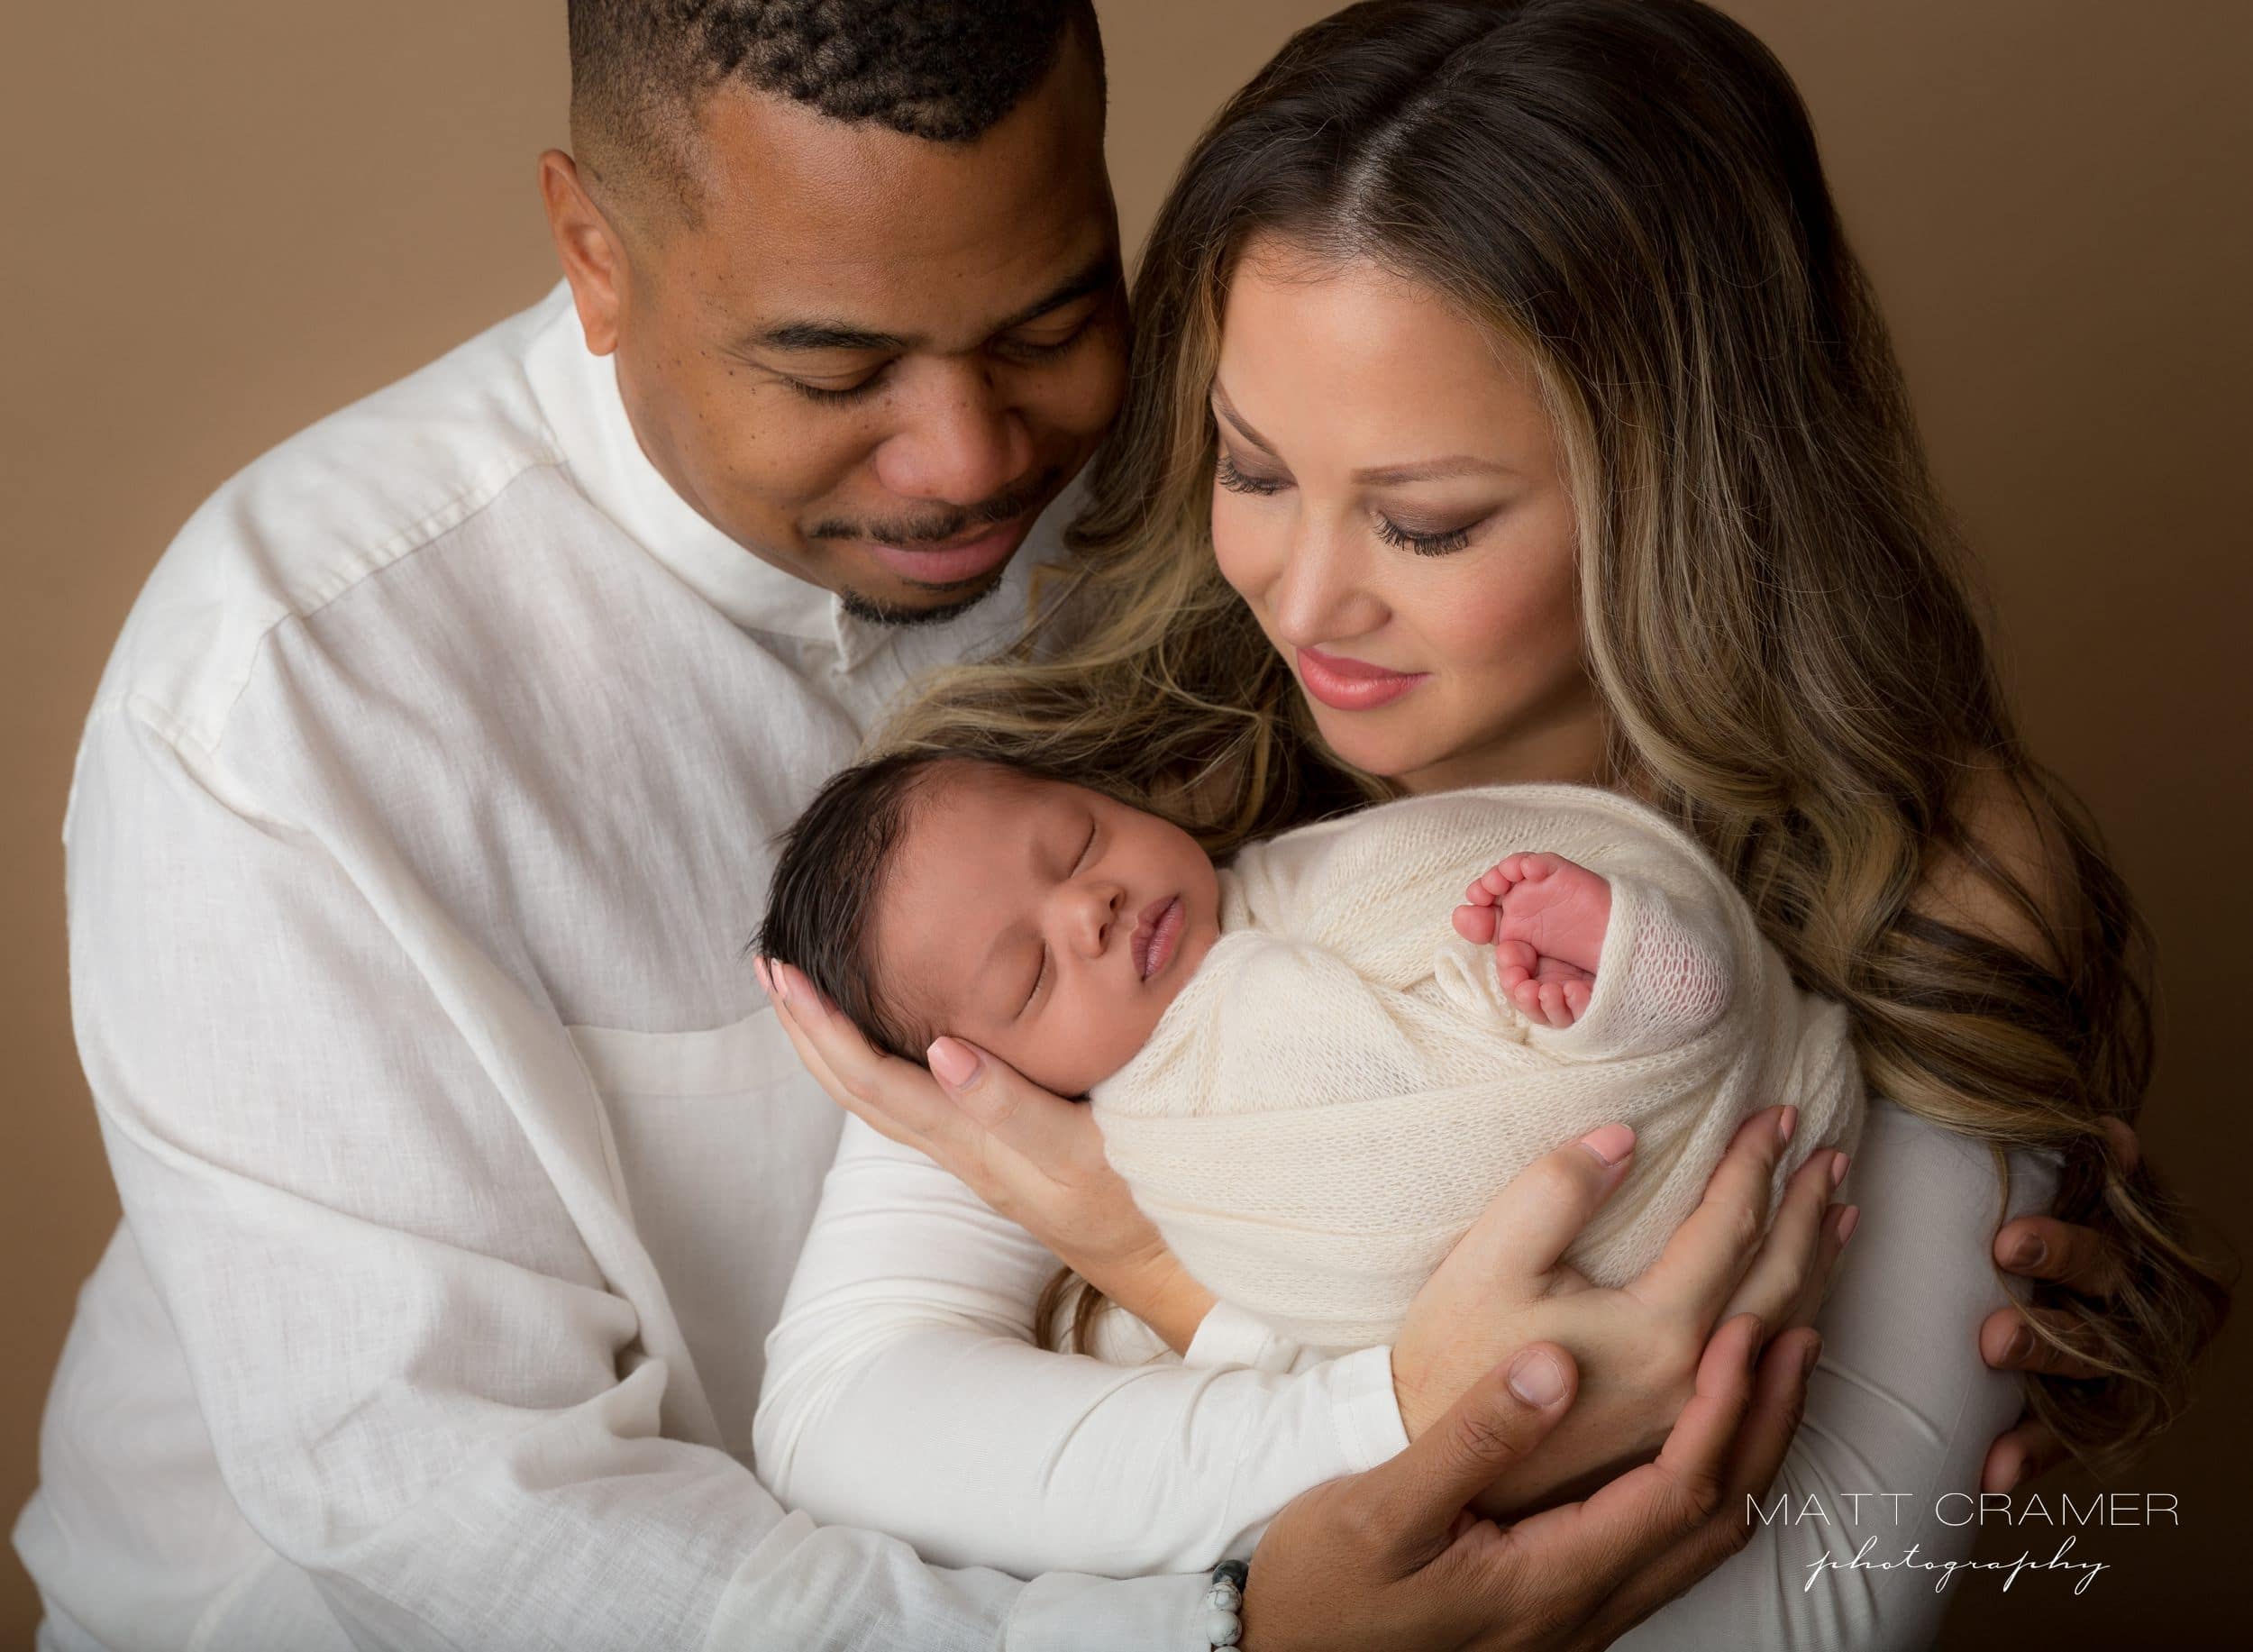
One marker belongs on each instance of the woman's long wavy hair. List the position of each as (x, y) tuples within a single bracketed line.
[(1626, 192)]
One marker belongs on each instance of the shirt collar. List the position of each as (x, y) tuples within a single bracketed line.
[(577, 391)]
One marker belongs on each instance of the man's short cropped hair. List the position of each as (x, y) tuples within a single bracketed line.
[(942, 69)]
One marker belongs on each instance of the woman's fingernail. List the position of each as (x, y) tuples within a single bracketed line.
[(1537, 1378), (1847, 1221), (2029, 1252), (1610, 1142), (1787, 1121), (954, 1063), (2021, 1343), (1837, 1169)]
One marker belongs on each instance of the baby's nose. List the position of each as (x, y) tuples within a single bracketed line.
[(1095, 916)]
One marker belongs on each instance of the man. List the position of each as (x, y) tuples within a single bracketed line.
[(422, 814)]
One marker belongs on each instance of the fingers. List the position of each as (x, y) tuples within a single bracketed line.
[(1647, 1513), (1051, 1133), (1771, 1420), (1527, 1227), (2024, 1453), (896, 1098), (2011, 1340), (1412, 1501), (2043, 1247), (1698, 1271), (1794, 1256)]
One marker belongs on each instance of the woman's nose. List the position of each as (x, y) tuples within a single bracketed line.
[(1321, 593)]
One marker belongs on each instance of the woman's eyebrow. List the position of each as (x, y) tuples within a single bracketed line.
[(1379, 476), (1227, 410)]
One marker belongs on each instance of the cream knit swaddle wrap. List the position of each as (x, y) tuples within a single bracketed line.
[(1342, 1086)]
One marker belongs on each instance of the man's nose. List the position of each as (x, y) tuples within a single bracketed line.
[(1086, 912), (961, 441), (1321, 593)]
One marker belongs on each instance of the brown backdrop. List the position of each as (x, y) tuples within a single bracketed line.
[(223, 220)]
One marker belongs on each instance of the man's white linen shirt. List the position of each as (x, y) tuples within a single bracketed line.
[(421, 821)]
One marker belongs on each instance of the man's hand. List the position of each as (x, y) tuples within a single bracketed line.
[(1393, 1557), (1035, 1158), (1504, 1286), (2072, 1258)]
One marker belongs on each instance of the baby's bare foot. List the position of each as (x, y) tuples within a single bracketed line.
[(1546, 918)]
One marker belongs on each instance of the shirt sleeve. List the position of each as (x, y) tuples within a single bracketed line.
[(903, 1391), (422, 1389), (1900, 1413)]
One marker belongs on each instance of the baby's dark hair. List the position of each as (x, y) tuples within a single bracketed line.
[(836, 862), (821, 907)]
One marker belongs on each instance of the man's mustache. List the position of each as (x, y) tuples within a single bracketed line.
[(1002, 508)]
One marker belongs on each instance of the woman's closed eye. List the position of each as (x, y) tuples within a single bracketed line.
[(1229, 474)]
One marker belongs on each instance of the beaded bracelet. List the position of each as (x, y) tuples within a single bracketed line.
[(1224, 1604)]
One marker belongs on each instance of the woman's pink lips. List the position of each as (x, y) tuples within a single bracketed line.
[(1155, 932), (1353, 685), (956, 559)]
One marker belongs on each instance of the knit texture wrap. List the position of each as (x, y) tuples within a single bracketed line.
[(1342, 1086)]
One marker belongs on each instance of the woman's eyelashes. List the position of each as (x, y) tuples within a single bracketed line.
[(1229, 475), (1423, 544), (1237, 481)]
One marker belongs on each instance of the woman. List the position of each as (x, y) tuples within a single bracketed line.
[(1507, 408)]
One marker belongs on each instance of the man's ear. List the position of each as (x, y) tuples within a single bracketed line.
[(594, 258)]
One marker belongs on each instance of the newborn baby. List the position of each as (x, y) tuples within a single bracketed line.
[(1315, 1067)]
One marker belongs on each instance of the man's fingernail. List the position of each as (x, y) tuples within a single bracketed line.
[(1837, 1169), (1787, 1122), (1610, 1142), (2029, 1252), (954, 1063), (1537, 1378), (2021, 1343)]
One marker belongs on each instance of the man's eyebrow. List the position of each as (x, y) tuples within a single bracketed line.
[(823, 335), (1381, 476), (830, 335), (1097, 276)]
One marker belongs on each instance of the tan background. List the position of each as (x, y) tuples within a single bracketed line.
[(222, 220)]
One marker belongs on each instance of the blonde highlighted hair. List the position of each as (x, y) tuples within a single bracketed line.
[(1774, 614)]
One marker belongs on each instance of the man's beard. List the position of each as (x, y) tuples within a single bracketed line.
[(1002, 508), (869, 611)]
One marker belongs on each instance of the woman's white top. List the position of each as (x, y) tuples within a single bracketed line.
[(873, 1412), (1342, 1086)]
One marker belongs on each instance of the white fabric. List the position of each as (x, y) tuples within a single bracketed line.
[(863, 1419), (1342, 1086), (419, 825)]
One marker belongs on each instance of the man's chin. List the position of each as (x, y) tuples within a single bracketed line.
[(883, 611)]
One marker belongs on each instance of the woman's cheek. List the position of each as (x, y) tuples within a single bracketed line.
[(1236, 547)]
